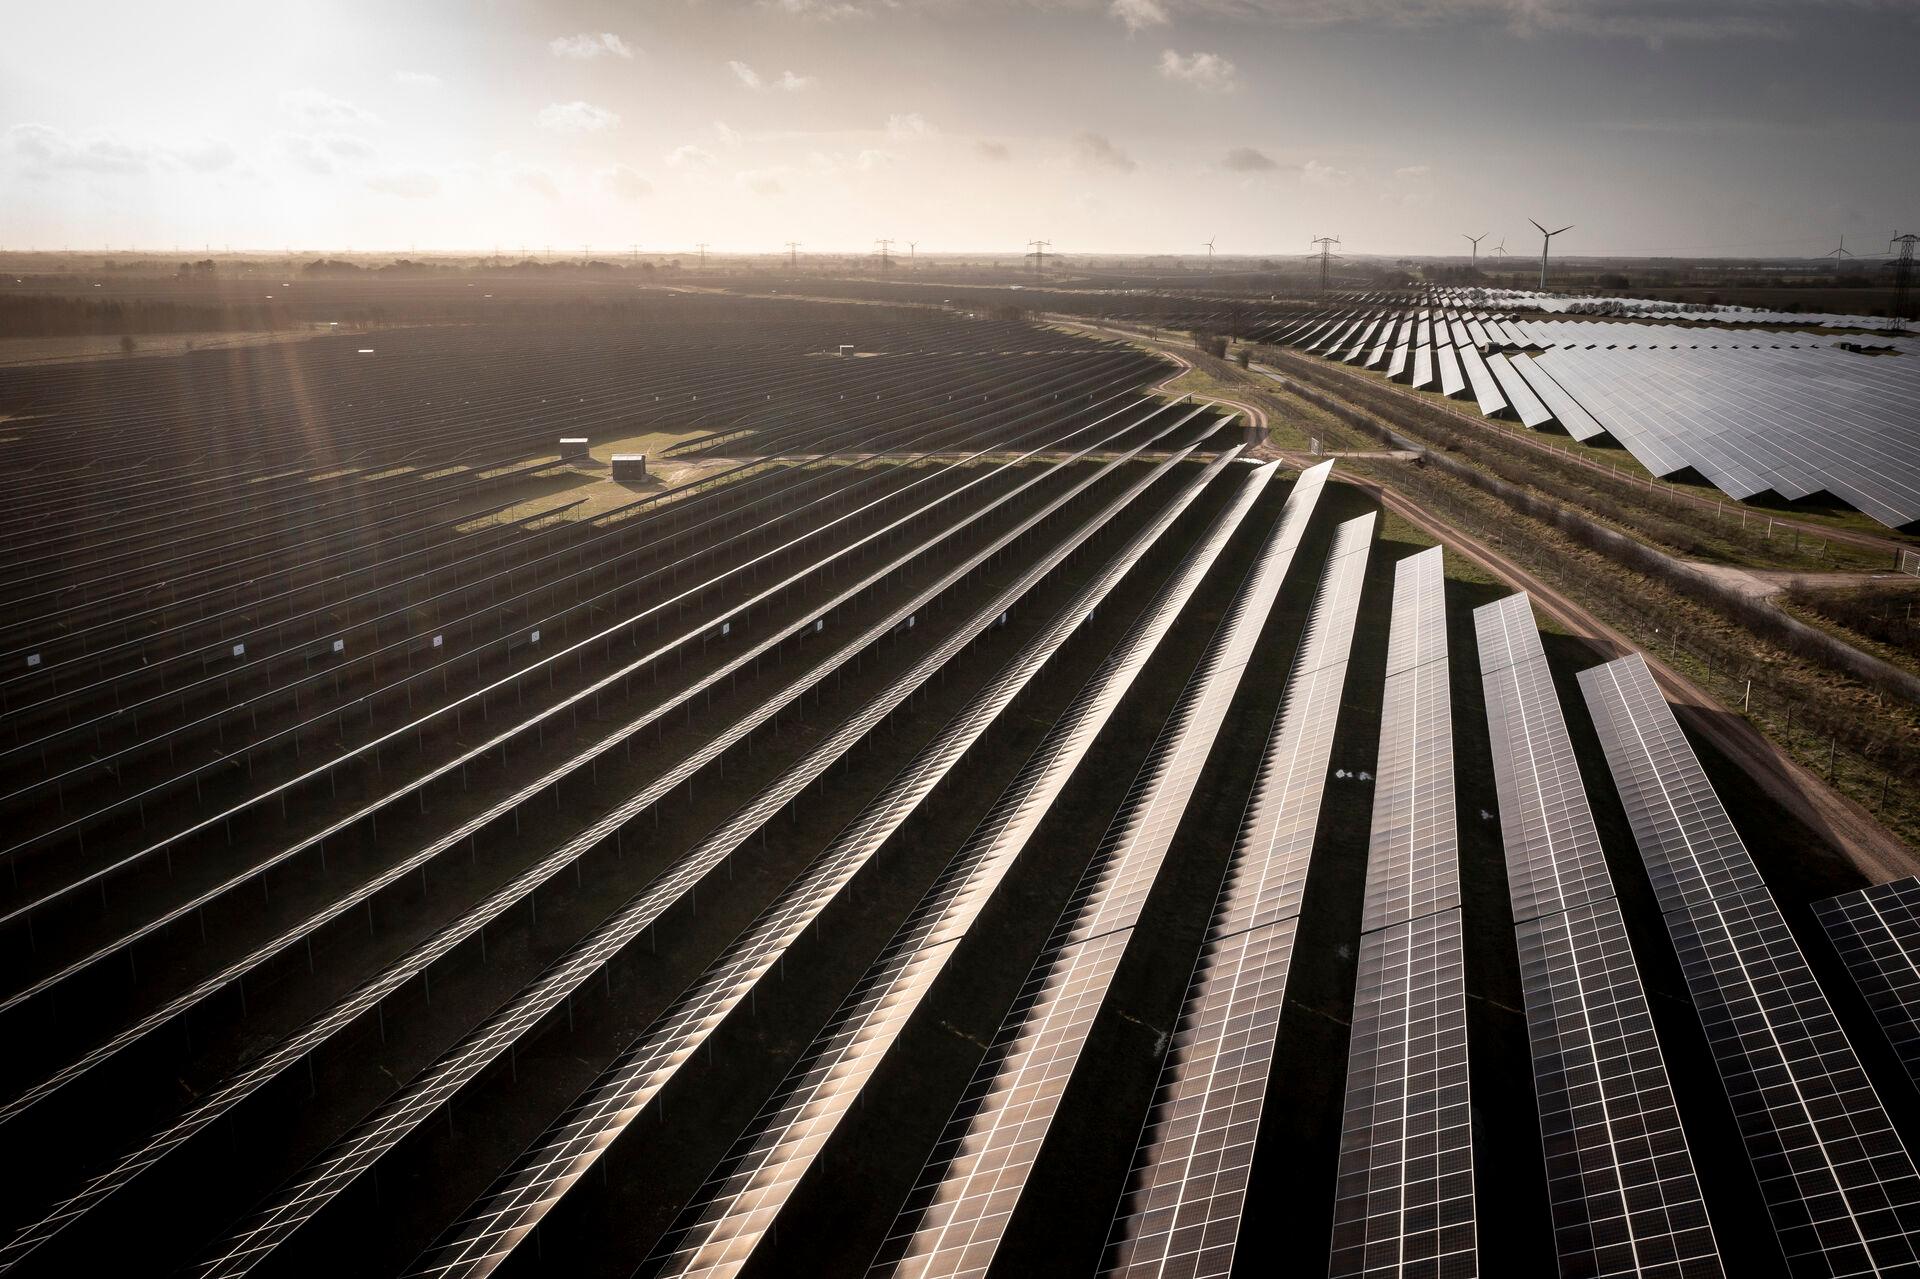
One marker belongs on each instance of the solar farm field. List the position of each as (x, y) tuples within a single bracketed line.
[(952, 809)]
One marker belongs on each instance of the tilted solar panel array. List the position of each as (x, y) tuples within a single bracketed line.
[(1791, 422), (1877, 932), (502, 1219), (1837, 1179), (1620, 1174), (1187, 1191), (1754, 412), (1404, 1205), (360, 1152), (362, 1149), (737, 1208), (958, 1212)]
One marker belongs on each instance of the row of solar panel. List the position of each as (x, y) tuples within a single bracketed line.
[(1790, 417), (1625, 1196)]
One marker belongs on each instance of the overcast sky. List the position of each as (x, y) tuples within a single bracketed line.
[(1727, 127)]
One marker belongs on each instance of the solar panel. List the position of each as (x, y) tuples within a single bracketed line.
[(1797, 422), (1486, 388), (1520, 397), (1620, 1176), (225, 1101), (1422, 368), (359, 1153), (1877, 932), (959, 1210), (1412, 866), (519, 1199), (741, 1203), (1453, 383), (1573, 419), (1404, 1202), (1837, 1180), (1182, 1211)]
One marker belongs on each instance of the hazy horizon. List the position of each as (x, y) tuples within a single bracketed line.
[(1739, 128)]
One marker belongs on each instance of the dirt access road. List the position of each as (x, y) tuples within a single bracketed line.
[(1875, 851)]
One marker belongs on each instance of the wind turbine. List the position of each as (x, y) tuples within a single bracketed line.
[(1474, 240), (1210, 256), (1500, 248), (1838, 254), (1547, 240)]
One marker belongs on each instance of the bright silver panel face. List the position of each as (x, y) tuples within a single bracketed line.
[(958, 1212), (1838, 1183), (1181, 1214), (1626, 1200)]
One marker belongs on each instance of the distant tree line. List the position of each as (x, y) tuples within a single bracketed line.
[(39, 315)]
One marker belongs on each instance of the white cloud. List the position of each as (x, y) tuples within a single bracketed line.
[(788, 81), (210, 156), (588, 45), (871, 158), (536, 180), (316, 153), (417, 79), (1138, 15), (1314, 173), (691, 156), (818, 10), (306, 152), (348, 147), (728, 135), (1248, 160), (47, 148), (408, 184), (1096, 151), (1413, 171), (577, 117), (903, 125), (1207, 71), (312, 107), (624, 182), (987, 149), (760, 181)]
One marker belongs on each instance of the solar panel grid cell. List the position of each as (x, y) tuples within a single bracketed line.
[(1621, 1181), (1174, 1220), (569, 1149), (1877, 932), (1405, 1197), (1620, 1178), (1839, 1184), (729, 1216), (1404, 1202), (958, 1212)]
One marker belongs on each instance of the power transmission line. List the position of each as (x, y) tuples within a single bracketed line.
[(1326, 243), (1902, 272)]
